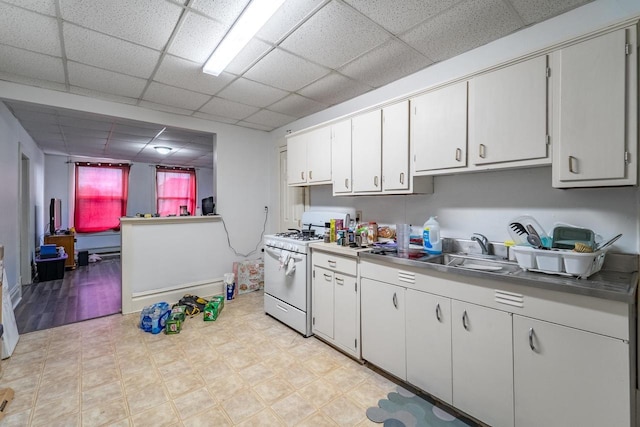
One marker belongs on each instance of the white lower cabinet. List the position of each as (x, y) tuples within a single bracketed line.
[(482, 362), (568, 377), (428, 335), (383, 326), (335, 301)]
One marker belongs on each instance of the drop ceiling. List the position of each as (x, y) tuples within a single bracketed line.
[(311, 55)]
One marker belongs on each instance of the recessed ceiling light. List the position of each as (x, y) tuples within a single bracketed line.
[(252, 19), (163, 150)]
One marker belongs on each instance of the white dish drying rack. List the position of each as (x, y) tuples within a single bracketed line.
[(561, 262)]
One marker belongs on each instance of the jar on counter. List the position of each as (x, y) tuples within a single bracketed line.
[(372, 234)]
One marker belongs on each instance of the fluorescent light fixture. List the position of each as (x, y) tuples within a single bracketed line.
[(252, 19), (162, 150)]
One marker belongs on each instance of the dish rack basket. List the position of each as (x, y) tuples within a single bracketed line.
[(562, 262)]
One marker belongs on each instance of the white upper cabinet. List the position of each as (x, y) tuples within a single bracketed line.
[(595, 112), (508, 114), (395, 147), (309, 157), (341, 157), (366, 143), (439, 129)]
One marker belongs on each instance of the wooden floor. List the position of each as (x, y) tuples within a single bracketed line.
[(85, 293)]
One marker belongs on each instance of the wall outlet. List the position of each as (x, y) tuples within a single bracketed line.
[(358, 216)]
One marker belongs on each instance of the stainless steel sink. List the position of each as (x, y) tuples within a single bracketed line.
[(475, 262)]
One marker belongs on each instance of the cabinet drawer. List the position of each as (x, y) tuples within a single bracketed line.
[(333, 262)]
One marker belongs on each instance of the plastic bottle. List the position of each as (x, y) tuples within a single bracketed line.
[(431, 236)]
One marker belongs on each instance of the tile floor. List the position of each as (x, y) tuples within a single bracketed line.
[(244, 369)]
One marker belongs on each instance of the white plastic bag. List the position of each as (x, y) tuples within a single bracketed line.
[(10, 336)]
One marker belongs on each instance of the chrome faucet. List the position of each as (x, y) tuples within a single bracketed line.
[(482, 241)]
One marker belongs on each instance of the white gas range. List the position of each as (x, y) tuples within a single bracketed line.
[(287, 270)]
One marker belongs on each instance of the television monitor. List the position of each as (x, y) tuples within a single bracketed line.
[(55, 216), (208, 206)]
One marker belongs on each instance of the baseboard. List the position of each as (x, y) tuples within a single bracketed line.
[(143, 299)]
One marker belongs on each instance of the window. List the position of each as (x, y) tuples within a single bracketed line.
[(100, 196), (175, 187)]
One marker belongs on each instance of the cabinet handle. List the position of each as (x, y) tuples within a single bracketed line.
[(483, 151), (331, 263), (375, 181), (310, 174), (339, 281), (395, 300), (572, 160), (458, 154), (531, 339), (302, 175), (465, 319), (438, 313), (327, 277), (401, 177), (346, 183)]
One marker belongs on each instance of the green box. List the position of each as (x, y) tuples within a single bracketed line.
[(179, 312), (172, 326), (211, 311)]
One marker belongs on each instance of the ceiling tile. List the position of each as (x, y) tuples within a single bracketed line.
[(31, 64), (29, 30), (256, 126), (82, 140), (399, 16), (101, 95), (123, 137), (335, 35), (48, 7), (92, 133), (297, 106), (107, 52), (252, 93), (247, 56), (36, 119), (385, 63), (462, 28), (214, 118), (538, 10), (230, 109), (334, 89), (124, 129), (41, 128), (104, 81), (269, 118), (290, 14), (285, 71), (175, 97), (224, 11), (85, 123), (165, 108), (45, 84), (147, 22), (197, 38), (179, 72)]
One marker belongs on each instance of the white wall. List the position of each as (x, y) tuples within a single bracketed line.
[(242, 176), (14, 142), (485, 202)]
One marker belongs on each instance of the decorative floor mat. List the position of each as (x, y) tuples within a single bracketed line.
[(405, 409)]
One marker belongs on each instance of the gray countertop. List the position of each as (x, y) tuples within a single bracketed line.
[(616, 281)]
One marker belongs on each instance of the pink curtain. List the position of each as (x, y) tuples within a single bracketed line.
[(101, 193), (175, 187)]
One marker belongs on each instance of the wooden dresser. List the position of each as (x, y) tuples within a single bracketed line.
[(68, 242)]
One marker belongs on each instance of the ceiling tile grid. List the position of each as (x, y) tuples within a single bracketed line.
[(310, 55)]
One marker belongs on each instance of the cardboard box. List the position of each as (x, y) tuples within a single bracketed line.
[(249, 275)]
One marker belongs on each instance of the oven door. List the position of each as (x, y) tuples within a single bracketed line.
[(286, 284)]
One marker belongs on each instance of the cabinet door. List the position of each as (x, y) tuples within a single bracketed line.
[(395, 147), (428, 334), (297, 160), (439, 128), (508, 113), (383, 326), (319, 155), (322, 303), (346, 311), (565, 376), (482, 363), (341, 157), (366, 143), (590, 110)]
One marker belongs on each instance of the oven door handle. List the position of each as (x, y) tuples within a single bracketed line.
[(276, 254)]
